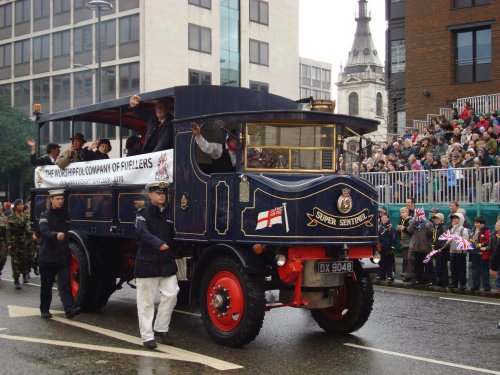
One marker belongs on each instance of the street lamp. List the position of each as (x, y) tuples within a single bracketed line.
[(99, 5)]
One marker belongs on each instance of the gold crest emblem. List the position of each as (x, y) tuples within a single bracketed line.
[(344, 203)]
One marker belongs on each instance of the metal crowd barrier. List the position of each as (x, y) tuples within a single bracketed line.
[(465, 185)]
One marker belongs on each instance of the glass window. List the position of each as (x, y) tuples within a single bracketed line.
[(199, 78), (79, 4), (200, 38), (5, 15), (41, 8), (305, 73), (259, 11), (259, 52), (201, 3), (129, 77), (105, 131), (82, 39), (60, 131), (259, 86), (6, 94), (22, 52), (473, 55), (61, 87), (353, 104), (82, 84), (108, 76), (61, 6), (61, 43), (5, 55), (85, 128), (398, 56), (41, 91), (325, 75), (379, 104), (41, 48), (108, 34), (469, 3), (129, 29), (22, 94), (23, 11)]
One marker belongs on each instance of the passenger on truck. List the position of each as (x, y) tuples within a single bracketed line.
[(75, 153), (53, 151), (160, 132), (99, 149), (222, 154)]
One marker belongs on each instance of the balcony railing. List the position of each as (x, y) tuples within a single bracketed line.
[(465, 185), (481, 103)]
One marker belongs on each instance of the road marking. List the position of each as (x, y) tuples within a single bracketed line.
[(176, 353), (471, 301), (465, 367)]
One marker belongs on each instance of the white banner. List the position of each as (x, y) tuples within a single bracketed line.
[(140, 169)]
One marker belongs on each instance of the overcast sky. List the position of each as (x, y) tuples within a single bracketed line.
[(327, 27)]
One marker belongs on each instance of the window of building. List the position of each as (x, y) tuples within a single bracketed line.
[(82, 84), (200, 38), (259, 11), (197, 77), (129, 77), (398, 56), (6, 94), (201, 3), (305, 92), (61, 43), (470, 3), (41, 9), (22, 52), (5, 55), (61, 87), (82, 39), (61, 6), (108, 76), (259, 52), (22, 94), (353, 104), (41, 48), (473, 55), (379, 104), (79, 4), (305, 74), (105, 131), (129, 29), (325, 76), (60, 131), (316, 76), (23, 11), (85, 128), (229, 42), (41, 91), (5, 15), (259, 86), (108, 34)]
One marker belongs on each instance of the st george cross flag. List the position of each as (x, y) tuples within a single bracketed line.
[(430, 255), (420, 214), (463, 244), (447, 236), (267, 219)]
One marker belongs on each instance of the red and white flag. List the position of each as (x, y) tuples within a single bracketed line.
[(463, 244), (447, 236), (267, 219), (420, 214)]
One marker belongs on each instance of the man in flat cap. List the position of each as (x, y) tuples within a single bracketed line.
[(75, 153), (155, 267), (55, 256), (53, 151)]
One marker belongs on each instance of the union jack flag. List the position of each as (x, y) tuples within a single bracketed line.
[(429, 256), (463, 244), (420, 214), (447, 236)]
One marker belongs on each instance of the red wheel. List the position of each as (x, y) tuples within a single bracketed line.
[(232, 302), (74, 271), (225, 301), (341, 307)]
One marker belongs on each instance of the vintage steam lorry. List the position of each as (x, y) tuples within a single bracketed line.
[(285, 220)]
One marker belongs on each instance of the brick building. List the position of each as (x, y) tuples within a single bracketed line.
[(438, 51)]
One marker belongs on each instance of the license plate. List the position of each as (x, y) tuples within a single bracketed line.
[(334, 267)]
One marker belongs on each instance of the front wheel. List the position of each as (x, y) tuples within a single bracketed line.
[(352, 307), (232, 303)]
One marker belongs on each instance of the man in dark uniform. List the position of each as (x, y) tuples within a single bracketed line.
[(53, 151), (54, 258), (155, 267), (223, 155)]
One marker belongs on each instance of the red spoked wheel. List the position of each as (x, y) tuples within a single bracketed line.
[(352, 307), (232, 302), (74, 271)]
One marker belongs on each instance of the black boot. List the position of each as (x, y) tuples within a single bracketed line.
[(17, 285), (25, 278)]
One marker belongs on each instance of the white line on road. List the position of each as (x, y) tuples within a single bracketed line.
[(465, 367), (470, 300)]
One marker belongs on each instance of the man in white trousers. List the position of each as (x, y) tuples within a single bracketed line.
[(155, 267)]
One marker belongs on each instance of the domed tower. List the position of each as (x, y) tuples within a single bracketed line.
[(361, 82)]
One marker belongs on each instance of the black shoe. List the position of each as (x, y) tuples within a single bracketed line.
[(35, 271), (25, 279), (17, 285), (454, 286), (380, 278), (46, 315), (390, 279), (151, 344), (462, 288), (165, 338), (73, 312)]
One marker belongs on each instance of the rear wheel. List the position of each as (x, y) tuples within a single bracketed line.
[(91, 291), (352, 308), (232, 303)]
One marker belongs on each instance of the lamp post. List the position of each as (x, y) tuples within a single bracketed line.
[(99, 5)]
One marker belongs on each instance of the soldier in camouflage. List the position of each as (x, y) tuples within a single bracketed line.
[(3, 247), (18, 235)]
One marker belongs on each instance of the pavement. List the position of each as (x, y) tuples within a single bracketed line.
[(398, 283)]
